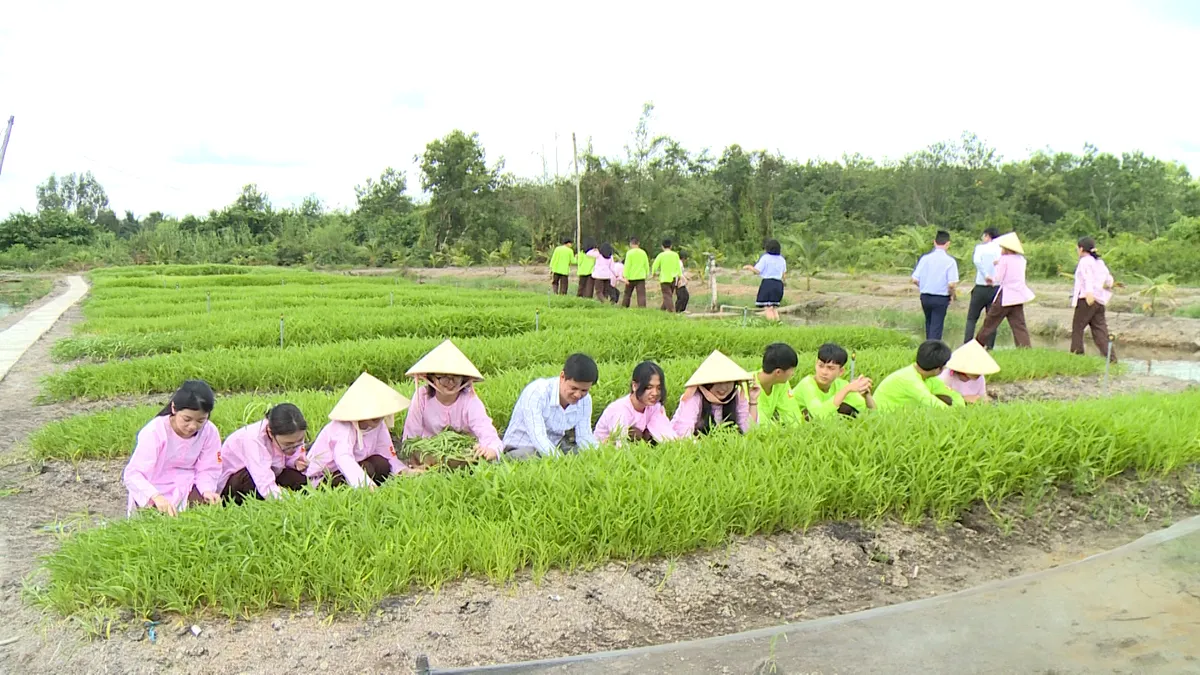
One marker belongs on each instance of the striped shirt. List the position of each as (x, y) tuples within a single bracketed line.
[(539, 421)]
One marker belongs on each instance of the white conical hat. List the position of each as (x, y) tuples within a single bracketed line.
[(972, 359), (367, 399), (445, 359), (1011, 242), (718, 368)]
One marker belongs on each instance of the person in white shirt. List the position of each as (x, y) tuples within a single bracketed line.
[(936, 275), (554, 415), (987, 252)]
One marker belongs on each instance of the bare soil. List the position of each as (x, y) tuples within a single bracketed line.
[(750, 583)]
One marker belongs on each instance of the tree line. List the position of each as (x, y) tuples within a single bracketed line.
[(854, 213)]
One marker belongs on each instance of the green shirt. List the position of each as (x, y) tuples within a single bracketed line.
[(586, 264), (903, 388), (938, 387), (560, 262), (820, 403), (778, 407), (637, 265), (667, 266)]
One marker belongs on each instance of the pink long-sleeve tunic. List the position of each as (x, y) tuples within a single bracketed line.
[(337, 449), (687, 415), (251, 448), (164, 463), (427, 417), (620, 417)]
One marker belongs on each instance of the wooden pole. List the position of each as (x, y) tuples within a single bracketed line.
[(712, 282), (578, 202)]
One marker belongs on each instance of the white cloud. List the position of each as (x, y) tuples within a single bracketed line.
[(151, 98)]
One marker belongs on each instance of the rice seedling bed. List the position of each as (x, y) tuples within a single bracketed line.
[(110, 433), (347, 549)]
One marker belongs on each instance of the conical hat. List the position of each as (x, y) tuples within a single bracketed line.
[(367, 399), (445, 359), (718, 368), (1011, 242), (972, 359)]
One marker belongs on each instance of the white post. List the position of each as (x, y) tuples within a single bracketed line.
[(4, 145), (578, 202)]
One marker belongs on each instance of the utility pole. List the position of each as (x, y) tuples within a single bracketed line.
[(4, 145), (556, 156), (578, 208)]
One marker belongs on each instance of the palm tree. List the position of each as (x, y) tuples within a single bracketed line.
[(1160, 289), (807, 252)]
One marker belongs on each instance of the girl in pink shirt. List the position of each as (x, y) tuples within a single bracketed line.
[(177, 460), (259, 459), (1013, 293), (445, 399), (602, 273), (640, 415), (716, 394), (356, 446), (1093, 284)]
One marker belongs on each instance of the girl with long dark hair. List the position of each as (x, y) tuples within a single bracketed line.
[(261, 459), (639, 415), (719, 392)]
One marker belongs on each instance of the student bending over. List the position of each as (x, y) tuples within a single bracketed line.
[(965, 372), (910, 386), (259, 459), (826, 393), (554, 415), (177, 460)]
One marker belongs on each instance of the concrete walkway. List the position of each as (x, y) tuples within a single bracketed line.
[(20, 337), (1135, 609)]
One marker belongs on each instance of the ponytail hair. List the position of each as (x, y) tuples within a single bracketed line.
[(284, 419), (191, 395), (1089, 246)]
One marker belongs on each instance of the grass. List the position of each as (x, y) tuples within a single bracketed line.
[(20, 291), (332, 365), (110, 433), (346, 550)]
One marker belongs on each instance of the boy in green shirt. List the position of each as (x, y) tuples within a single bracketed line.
[(586, 262), (560, 266), (667, 266), (637, 268), (826, 393), (909, 386), (775, 402)]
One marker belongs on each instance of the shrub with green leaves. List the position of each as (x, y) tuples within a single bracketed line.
[(347, 549)]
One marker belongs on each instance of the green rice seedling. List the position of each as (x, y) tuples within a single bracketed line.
[(329, 365), (110, 433), (449, 448), (347, 549)]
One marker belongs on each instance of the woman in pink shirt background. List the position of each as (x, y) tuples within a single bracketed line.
[(260, 458), (177, 460), (602, 273), (356, 446), (640, 416), (1013, 293), (1091, 294), (445, 399)]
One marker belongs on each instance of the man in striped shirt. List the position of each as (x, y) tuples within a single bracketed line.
[(554, 415)]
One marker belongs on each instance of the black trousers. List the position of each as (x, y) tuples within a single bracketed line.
[(981, 301), (935, 307), (681, 299)]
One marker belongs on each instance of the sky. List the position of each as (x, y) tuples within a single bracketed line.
[(175, 109)]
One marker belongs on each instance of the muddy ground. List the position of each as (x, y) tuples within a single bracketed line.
[(753, 582)]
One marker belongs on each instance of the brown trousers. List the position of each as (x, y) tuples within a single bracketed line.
[(587, 286), (668, 293), (241, 486), (558, 284), (631, 286), (996, 314), (1093, 317), (600, 289), (376, 467)]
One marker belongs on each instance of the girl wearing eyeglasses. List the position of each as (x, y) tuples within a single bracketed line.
[(260, 459)]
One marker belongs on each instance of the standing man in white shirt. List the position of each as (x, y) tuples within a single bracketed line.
[(554, 415), (936, 275), (982, 295)]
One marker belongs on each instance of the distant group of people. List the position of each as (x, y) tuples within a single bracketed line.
[(602, 274), (1000, 291), (180, 460)]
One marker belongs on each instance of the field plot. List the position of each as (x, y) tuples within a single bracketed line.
[(560, 524)]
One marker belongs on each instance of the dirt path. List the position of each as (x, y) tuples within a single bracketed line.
[(753, 582)]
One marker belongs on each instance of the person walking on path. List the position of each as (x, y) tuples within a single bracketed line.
[(1011, 295), (637, 268), (1093, 284), (668, 267), (560, 266), (771, 268), (936, 276), (682, 296), (586, 261), (982, 295), (602, 272)]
